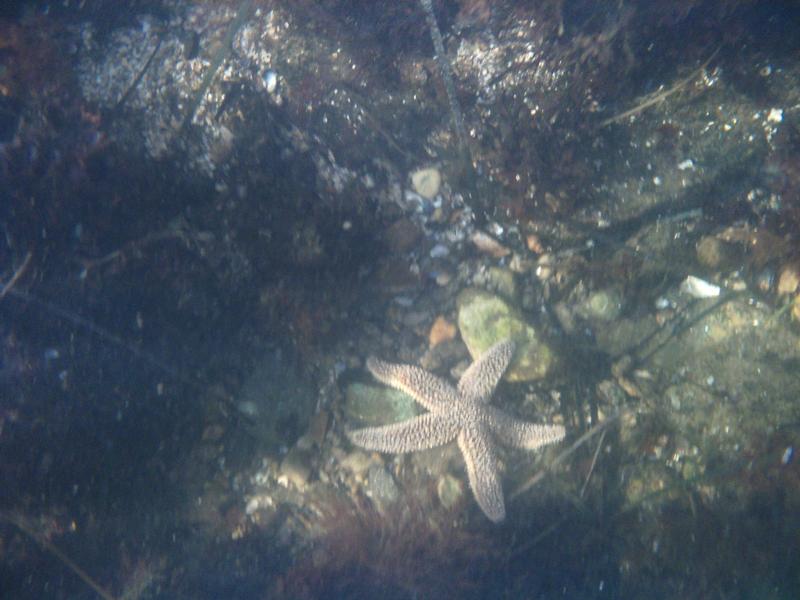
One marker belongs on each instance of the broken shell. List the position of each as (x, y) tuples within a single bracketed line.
[(698, 288)]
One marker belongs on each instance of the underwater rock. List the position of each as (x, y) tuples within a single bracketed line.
[(442, 330), (603, 305), (296, 468), (396, 276), (488, 245), (501, 281), (377, 405), (446, 353), (450, 490), (402, 236), (789, 280), (426, 182), (382, 487), (358, 463), (715, 253), (485, 319), (699, 288)]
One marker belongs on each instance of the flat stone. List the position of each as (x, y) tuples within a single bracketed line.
[(370, 405)]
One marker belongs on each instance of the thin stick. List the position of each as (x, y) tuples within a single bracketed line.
[(594, 462), (446, 74), (103, 334), (53, 549), (7, 287), (659, 97), (242, 14), (565, 454), (543, 534), (137, 80)]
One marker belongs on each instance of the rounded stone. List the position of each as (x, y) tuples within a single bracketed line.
[(603, 305), (715, 253), (449, 490), (485, 319), (382, 486), (426, 182)]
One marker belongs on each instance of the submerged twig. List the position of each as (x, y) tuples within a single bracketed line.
[(658, 97), (15, 277), (117, 341), (600, 427), (594, 461), (23, 526), (177, 229), (446, 74), (372, 119), (242, 13), (137, 80)]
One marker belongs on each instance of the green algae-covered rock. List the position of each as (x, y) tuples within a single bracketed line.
[(370, 405), (602, 305), (502, 281), (485, 319)]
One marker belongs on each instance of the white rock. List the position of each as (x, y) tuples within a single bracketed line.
[(426, 182), (775, 115), (699, 288)]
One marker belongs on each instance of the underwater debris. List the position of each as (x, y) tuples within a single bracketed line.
[(446, 74), (22, 524), (242, 14), (660, 96)]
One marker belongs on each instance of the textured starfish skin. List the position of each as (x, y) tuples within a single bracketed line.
[(463, 413)]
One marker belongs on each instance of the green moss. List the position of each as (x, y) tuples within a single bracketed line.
[(485, 319)]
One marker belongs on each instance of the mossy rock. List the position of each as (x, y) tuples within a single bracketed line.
[(371, 405), (485, 319)]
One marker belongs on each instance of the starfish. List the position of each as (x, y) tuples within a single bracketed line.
[(463, 413)]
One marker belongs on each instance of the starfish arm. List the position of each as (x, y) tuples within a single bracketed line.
[(420, 433), (476, 447), (522, 434), (479, 380), (429, 390)]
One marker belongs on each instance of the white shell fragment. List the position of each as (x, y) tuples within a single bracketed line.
[(699, 288)]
